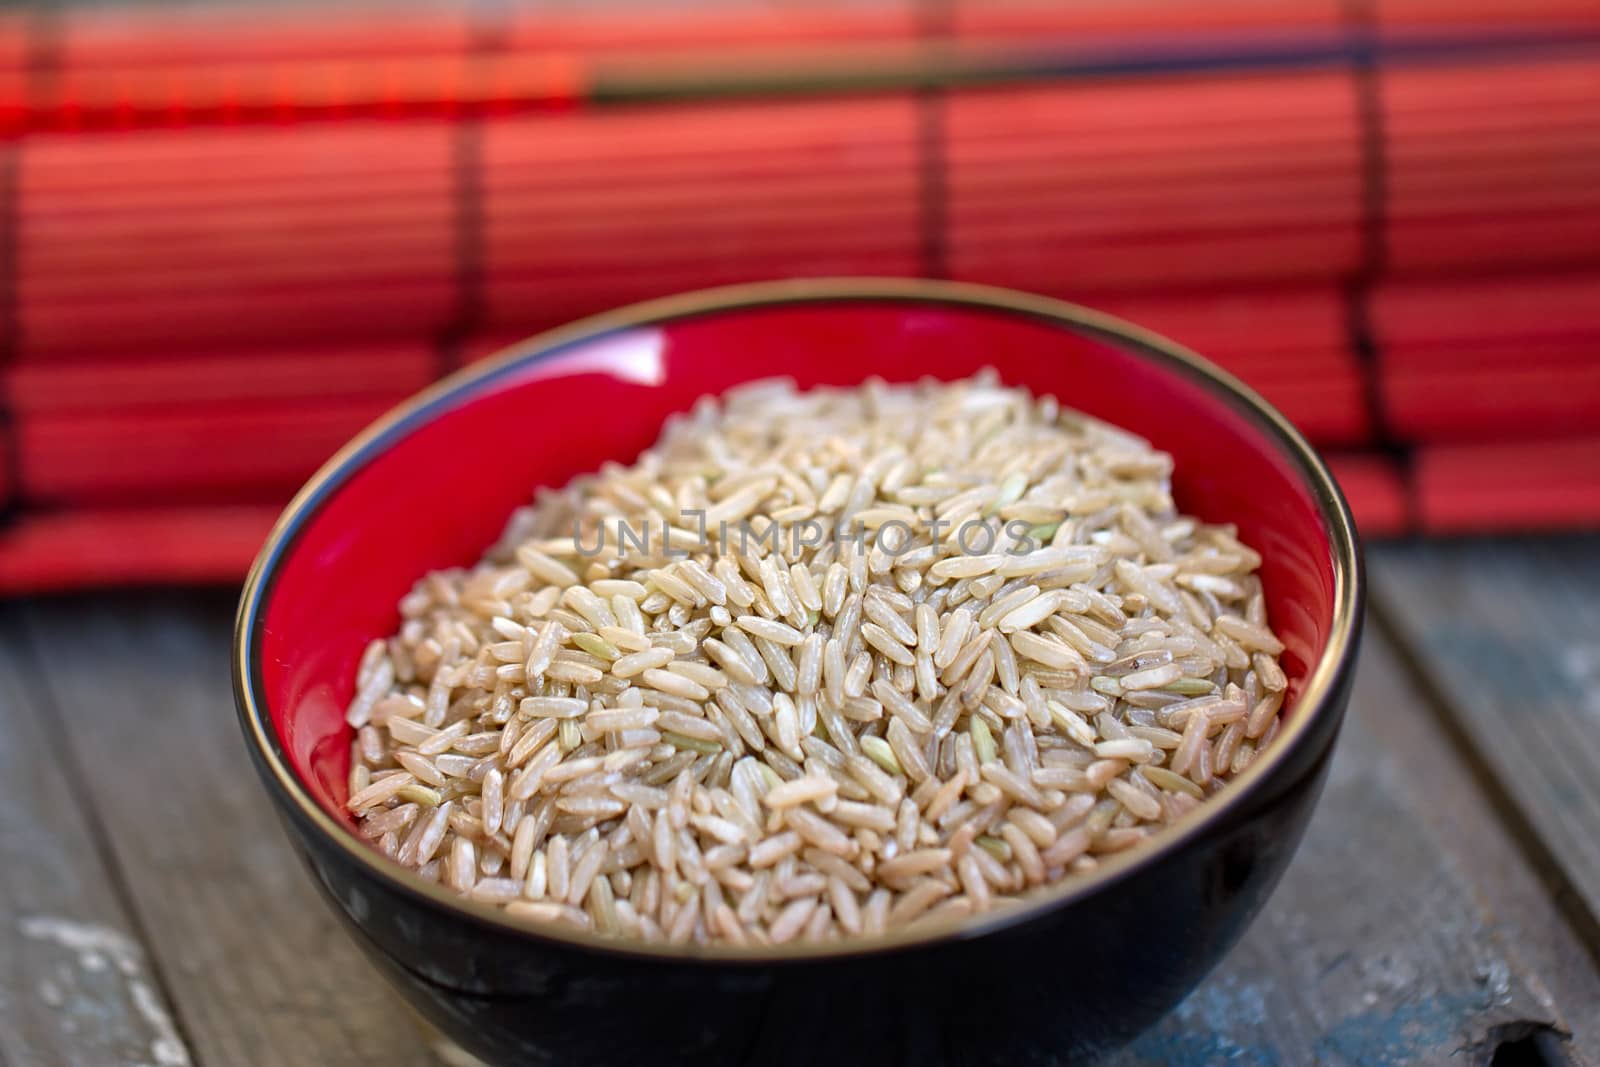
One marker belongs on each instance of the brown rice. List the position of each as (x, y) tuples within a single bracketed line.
[(954, 643)]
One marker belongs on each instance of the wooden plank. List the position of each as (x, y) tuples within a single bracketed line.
[(1380, 946), (1376, 947), (75, 983), (259, 969), (1463, 816), (1510, 633)]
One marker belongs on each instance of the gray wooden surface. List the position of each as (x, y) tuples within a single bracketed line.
[(1440, 911), (1514, 638), (230, 916), (75, 986)]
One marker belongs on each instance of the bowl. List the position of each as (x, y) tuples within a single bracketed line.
[(1084, 967)]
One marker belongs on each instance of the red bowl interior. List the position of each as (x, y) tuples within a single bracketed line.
[(433, 488)]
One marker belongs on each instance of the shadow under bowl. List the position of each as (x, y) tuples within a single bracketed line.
[(1080, 970)]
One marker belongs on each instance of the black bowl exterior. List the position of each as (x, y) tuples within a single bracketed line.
[(1056, 987), (1060, 981)]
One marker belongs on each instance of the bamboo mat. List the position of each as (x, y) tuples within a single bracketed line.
[(231, 237)]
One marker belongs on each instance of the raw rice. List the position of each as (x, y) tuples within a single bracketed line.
[(628, 720)]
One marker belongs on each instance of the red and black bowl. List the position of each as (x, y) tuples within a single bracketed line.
[(1084, 967)]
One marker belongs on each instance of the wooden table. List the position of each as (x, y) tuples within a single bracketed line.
[(1444, 909)]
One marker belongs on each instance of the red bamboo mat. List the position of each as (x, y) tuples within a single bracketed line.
[(231, 237), (1523, 485)]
